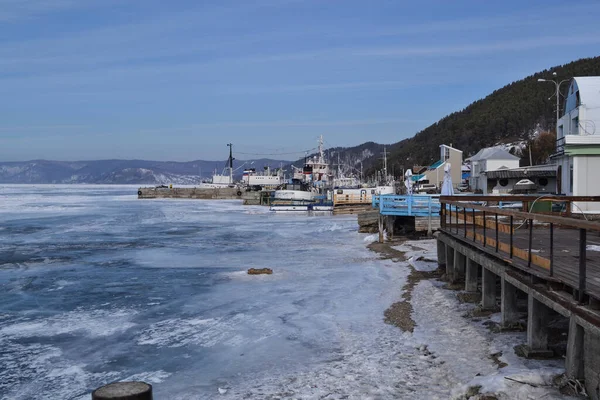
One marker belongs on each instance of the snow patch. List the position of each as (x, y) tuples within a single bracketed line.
[(94, 323)]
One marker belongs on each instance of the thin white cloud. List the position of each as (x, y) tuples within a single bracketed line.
[(28, 128), (283, 124), (464, 49), (156, 38), (317, 87), (15, 10), (125, 73)]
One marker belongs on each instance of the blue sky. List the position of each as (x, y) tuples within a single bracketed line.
[(177, 80)]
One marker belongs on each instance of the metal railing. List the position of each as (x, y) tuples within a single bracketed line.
[(405, 205), (495, 230), (560, 146)]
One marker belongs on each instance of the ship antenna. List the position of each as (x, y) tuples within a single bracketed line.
[(230, 145)]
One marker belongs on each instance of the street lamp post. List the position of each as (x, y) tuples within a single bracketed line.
[(557, 94)]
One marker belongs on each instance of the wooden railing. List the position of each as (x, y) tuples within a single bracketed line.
[(340, 199), (495, 229)]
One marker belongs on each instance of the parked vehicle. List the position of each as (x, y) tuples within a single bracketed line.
[(428, 188)]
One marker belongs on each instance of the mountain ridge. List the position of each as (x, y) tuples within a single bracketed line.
[(512, 114), (117, 171)]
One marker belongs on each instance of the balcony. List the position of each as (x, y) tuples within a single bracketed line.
[(560, 147)]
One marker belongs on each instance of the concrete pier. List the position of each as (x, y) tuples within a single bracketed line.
[(460, 262), (449, 262), (488, 290), (441, 253), (508, 304), (189, 193), (538, 316), (471, 276), (574, 363), (582, 360)]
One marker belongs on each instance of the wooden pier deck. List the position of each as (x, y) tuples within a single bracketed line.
[(551, 258), (555, 248)]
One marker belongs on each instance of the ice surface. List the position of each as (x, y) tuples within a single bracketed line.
[(98, 286), (465, 348), (421, 254)]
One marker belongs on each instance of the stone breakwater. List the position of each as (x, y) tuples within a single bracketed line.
[(190, 193)]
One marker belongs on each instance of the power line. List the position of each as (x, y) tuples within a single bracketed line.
[(275, 154)]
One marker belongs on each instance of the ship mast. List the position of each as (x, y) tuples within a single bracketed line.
[(384, 164), (230, 145), (322, 160)]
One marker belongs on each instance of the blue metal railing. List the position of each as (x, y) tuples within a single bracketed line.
[(409, 206)]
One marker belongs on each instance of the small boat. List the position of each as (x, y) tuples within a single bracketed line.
[(294, 196)]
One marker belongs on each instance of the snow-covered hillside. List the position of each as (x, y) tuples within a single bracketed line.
[(120, 171)]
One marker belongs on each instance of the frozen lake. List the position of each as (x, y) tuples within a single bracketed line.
[(97, 286)]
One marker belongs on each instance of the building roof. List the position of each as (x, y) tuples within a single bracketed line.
[(538, 171), (436, 165), (589, 90), (450, 147), (492, 153)]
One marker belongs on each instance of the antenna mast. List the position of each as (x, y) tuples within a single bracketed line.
[(384, 163), (230, 145)]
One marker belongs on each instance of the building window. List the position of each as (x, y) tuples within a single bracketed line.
[(575, 126), (543, 181), (571, 179), (446, 153)]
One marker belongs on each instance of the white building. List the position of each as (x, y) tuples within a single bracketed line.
[(486, 160), (503, 181), (578, 142), (435, 173)]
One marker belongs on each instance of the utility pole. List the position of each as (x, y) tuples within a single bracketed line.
[(361, 171), (384, 163), (230, 145), (556, 93)]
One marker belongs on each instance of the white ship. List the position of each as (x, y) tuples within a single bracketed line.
[(350, 190), (267, 179), (308, 190), (295, 190), (220, 180)]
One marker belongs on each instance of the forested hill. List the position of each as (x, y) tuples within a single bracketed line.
[(508, 114)]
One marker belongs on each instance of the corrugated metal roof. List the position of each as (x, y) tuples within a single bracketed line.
[(492, 153), (589, 90), (436, 164), (538, 171)]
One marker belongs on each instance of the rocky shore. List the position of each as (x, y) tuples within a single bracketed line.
[(502, 373)]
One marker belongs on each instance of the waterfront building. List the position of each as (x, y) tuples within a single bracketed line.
[(504, 180), (434, 174), (487, 160), (578, 142)]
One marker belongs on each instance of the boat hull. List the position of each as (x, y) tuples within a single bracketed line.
[(294, 195)]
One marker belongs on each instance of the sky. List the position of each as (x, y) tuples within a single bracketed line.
[(178, 80)]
